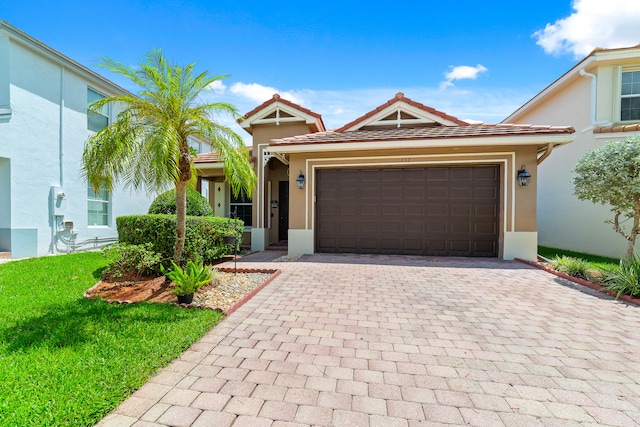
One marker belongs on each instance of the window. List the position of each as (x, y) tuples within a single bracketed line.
[(96, 121), (240, 207), (630, 97), (97, 206)]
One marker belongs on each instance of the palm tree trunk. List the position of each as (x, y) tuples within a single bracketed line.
[(181, 217)]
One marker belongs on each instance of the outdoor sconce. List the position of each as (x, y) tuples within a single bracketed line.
[(274, 204), (523, 177), (300, 181)]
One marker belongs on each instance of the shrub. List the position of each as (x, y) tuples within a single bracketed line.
[(627, 279), (575, 267), (188, 280), (203, 234), (197, 204), (131, 261)]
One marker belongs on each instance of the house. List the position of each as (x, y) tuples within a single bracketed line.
[(45, 206), (402, 179), (600, 98)]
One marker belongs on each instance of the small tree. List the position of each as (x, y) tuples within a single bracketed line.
[(147, 146), (611, 175)]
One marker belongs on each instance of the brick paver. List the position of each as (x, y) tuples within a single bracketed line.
[(367, 340)]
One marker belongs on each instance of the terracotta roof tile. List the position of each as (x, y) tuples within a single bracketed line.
[(470, 131), (213, 157), (400, 97), (618, 128)]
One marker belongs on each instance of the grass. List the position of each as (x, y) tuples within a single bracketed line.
[(593, 261), (68, 361)]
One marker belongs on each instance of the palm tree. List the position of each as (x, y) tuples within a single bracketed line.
[(147, 145)]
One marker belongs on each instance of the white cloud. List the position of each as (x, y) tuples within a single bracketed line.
[(259, 93), (594, 23), (340, 107), (461, 72), (217, 87)]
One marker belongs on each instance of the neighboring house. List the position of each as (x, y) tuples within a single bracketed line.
[(45, 206), (600, 98), (402, 179)]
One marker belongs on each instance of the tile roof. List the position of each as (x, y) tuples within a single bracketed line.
[(214, 157), (437, 132), (400, 97), (618, 128)]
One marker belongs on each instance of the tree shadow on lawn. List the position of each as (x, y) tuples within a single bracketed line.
[(79, 321)]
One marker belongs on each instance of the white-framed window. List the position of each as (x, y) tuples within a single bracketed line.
[(97, 206), (630, 95), (96, 121), (240, 208)]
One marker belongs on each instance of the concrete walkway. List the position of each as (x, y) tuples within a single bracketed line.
[(348, 340)]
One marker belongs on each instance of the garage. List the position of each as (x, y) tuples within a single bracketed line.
[(443, 210)]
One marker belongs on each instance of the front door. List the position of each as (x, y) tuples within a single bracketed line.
[(283, 205)]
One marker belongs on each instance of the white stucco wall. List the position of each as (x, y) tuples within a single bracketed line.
[(564, 221), (42, 143)]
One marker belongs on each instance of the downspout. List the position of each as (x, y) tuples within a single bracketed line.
[(592, 115), (61, 127)]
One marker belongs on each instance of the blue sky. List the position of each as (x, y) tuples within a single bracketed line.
[(474, 60)]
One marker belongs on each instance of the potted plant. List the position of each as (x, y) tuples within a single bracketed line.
[(188, 280)]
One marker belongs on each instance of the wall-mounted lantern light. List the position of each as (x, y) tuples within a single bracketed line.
[(300, 181), (523, 177)]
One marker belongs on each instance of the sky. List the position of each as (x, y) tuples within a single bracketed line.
[(478, 61)]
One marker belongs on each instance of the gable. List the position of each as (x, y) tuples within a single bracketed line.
[(402, 112), (279, 111)]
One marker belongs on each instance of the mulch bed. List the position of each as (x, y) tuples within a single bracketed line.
[(159, 290)]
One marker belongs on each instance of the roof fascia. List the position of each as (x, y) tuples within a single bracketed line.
[(518, 140), (298, 115), (404, 106), (557, 84), (24, 38), (598, 55)]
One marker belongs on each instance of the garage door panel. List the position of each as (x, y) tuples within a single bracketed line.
[(369, 245), (486, 210), (460, 227), (434, 227), (486, 193), (390, 245), (460, 246), (458, 209), (414, 210), (413, 245), (437, 208), (489, 228), (413, 227), (370, 193), (428, 211), (370, 213), (395, 227)]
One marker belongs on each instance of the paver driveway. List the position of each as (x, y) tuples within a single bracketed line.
[(348, 340)]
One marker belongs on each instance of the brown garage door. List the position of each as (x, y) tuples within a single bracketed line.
[(424, 211)]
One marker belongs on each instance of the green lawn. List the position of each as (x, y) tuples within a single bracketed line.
[(67, 361), (594, 261)]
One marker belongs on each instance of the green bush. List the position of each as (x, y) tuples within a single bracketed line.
[(204, 235), (188, 280), (627, 279), (131, 261), (575, 267), (197, 204)]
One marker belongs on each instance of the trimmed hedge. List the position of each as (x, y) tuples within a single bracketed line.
[(197, 204), (204, 234)]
